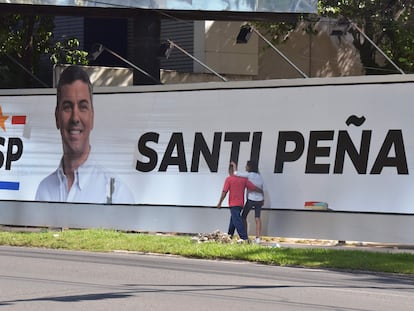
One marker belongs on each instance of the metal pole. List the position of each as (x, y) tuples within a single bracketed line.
[(26, 70), (379, 50), (132, 65), (280, 53), (198, 61)]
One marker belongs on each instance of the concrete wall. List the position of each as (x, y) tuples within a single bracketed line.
[(317, 55), (223, 54), (366, 227)]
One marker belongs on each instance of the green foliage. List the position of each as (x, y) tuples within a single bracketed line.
[(23, 34), (389, 24), (399, 43), (68, 52), (23, 38)]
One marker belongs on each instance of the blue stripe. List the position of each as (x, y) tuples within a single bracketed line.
[(9, 185)]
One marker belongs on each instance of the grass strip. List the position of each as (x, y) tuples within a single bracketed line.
[(97, 240)]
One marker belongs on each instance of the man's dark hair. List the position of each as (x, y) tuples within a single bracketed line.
[(253, 166), (70, 75)]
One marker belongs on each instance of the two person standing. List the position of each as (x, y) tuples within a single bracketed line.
[(236, 186), (255, 199)]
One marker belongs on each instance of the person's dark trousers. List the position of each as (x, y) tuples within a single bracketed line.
[(236, 222), (232, 228)]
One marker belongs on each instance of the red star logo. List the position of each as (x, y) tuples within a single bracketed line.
[(3, 120)]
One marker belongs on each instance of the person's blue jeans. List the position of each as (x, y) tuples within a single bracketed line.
[(236, 222)]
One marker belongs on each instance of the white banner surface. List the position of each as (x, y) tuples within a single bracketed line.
[(349, 145)]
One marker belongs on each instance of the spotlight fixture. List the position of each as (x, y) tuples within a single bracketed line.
[(343, 25), (165, 50), (244, 34)]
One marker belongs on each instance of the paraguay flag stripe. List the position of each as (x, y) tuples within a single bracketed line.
[(13, 185), (9, 185), (18, 120)]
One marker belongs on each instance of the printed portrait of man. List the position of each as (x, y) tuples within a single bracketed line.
[(78, 177)]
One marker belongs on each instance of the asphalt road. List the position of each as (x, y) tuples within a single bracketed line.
[(42, 279)]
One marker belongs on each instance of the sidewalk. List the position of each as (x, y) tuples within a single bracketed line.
[(340, 245), (280, 242)]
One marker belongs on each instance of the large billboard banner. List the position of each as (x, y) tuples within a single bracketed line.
[(347, 144)]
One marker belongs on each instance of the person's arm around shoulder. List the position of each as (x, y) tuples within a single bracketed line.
[(252, 187), (236, 172)]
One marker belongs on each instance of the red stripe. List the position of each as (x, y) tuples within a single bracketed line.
[(18, 120)]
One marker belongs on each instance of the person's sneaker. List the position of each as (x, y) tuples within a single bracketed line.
[(257, 240)]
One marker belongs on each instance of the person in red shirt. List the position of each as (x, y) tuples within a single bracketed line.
[(236, 187)]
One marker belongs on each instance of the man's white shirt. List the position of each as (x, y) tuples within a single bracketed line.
[(257, 180), (91, 185)]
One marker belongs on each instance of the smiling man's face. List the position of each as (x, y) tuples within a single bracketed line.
[(74, 119)]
